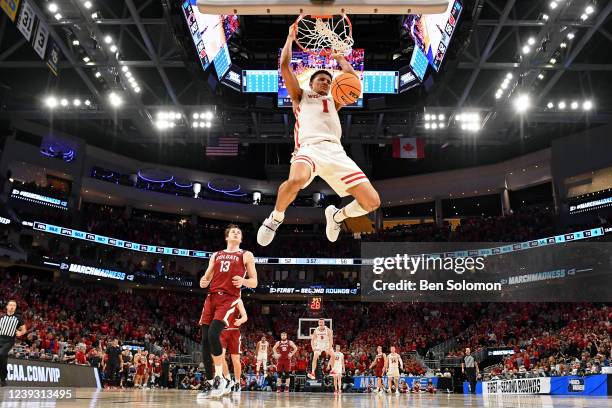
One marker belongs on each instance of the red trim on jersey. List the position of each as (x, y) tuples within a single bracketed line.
[(351, 175), (355, 179)]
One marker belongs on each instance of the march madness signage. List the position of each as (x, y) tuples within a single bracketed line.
[(31, 373), (539, 385)]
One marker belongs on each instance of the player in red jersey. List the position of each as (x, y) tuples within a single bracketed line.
[(283, 351), (224, 277), (231, 341), (379, 365)]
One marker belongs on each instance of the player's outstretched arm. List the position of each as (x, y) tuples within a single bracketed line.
[(345, 66), (205, 280), (291, 82)]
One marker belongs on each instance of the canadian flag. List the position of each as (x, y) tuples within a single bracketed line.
[(408, 148)]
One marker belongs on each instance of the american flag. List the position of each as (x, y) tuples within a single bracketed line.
[(228, 146)]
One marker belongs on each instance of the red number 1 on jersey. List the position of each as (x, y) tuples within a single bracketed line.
[(325, 109)]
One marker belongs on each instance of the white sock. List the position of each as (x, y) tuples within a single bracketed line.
[(351, 210), (211, 381), (219, 371), (278, 216)]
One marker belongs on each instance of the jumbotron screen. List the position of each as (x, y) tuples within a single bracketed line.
[(305, 64), (432, 32), (210, 33)]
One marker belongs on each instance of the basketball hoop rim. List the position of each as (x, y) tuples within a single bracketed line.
[(325, 51)]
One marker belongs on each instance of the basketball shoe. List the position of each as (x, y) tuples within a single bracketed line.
[(267, 231), (332, 229)]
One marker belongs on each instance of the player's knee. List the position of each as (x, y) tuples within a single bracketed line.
[(370, 202), (296, 181), (214, 337)]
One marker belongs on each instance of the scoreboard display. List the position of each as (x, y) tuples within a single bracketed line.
[(380, 82), (263, 81), (315, 304)]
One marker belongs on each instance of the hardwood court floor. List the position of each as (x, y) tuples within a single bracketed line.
[(87, 398)]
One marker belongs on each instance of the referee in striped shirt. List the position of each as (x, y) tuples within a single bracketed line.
[(11, 326)]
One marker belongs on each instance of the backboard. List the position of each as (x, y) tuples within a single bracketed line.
[(337, 7)]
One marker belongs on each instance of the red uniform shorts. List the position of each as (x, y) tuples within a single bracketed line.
[(283, 365), (231, 341), (218, 306)]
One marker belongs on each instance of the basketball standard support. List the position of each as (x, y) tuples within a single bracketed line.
[(318, 7)]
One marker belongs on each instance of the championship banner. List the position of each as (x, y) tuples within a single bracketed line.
[(10, 8), (36, 31), (538, 385), (31, 373)]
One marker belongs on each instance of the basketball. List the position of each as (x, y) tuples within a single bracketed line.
[(346, 89)]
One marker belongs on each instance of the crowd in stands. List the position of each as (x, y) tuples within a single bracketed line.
[(66, 324), (548, 339)]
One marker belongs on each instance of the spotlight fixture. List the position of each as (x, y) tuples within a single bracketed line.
[(64, 102), (545, 17), (196, 116), (76, 102), (550, 105), (97, 74), (75, 42), (95, 16), (51, 102), (115, 100), (526, 49), (553, 5), (509, 75), (574, 105), (87, 102), (521, 103), (561, 105), (540, 76), (563, 45), (589, 10), (113, 48), (584, 17), (531, 41), (87, 5), (125, 68), (553, 61), (52, 7), (58, 16), (587, 105), (86, 59), (570, 36), (108, 39)]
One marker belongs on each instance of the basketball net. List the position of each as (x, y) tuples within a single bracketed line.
[(324, 35)]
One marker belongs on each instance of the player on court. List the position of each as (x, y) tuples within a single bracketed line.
[(321, 340), (338, 369), (283, 351), (318, 152), (261, 351), (231, 342), (224, 276), (379, 365), (395, 363)]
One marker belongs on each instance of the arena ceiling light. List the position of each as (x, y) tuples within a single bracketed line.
[(87, 5), (115, 99), (52, 7), (522, 103), (51, 102), (435, 121)]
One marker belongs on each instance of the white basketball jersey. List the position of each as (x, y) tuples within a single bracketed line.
[(393, 359), (321, 335), (263, 347), (338, 357), (316, 119)]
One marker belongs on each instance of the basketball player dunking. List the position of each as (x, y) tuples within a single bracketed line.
[(318, 152), (225, 275), (379, 365), (321, 340), (231, 342), (395, 363), (261, 351), (338, 369), (283, 351)]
